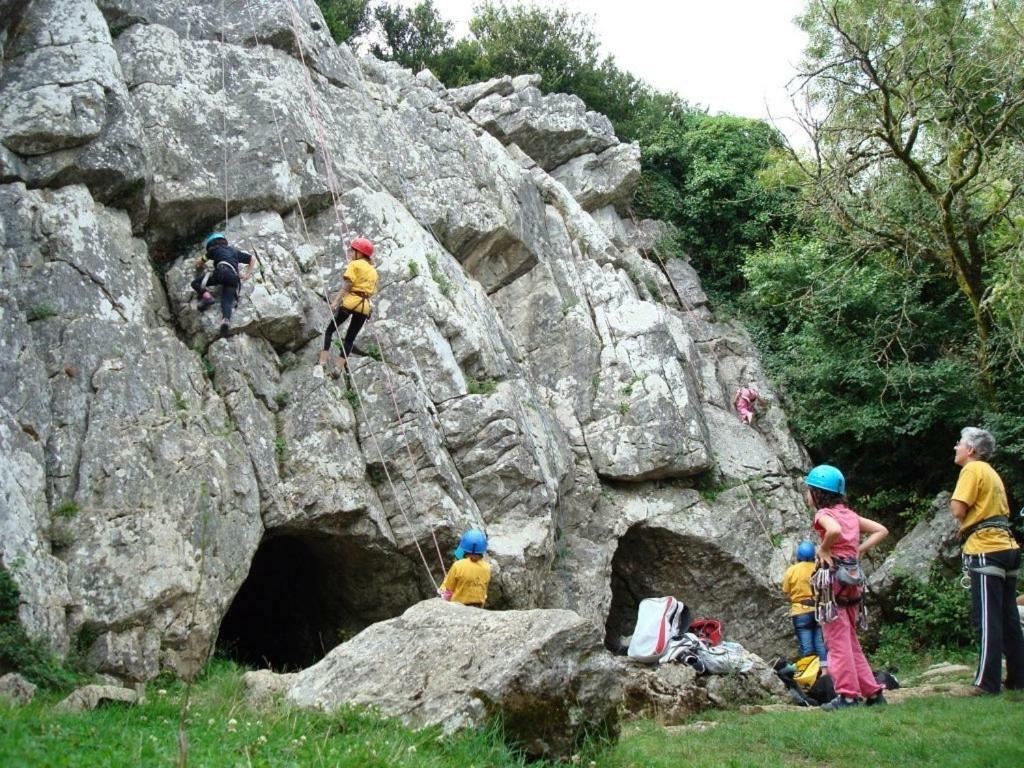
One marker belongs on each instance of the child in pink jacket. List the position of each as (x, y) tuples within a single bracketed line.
[(840, 529)]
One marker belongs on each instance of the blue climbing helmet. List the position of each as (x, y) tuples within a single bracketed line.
[(473, 542), (805, 551), (827, 478), (212, 238)]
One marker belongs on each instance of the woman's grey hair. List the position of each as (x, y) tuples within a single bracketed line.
[(980, 441)]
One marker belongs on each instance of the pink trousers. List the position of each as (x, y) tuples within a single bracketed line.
[(745, 412), (851, 673)]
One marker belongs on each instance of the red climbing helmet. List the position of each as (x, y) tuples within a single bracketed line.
[(363, 246)]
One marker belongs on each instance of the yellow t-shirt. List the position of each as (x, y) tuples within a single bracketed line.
[(982, 490), (363, 276), (468, 581), (796, 584)]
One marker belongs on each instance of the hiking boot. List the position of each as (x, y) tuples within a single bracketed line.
[(225, 327), (205, 302), (875, 701), (839, 702)]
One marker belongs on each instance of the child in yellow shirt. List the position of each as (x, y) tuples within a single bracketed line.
[(469, 577), (796, 584)]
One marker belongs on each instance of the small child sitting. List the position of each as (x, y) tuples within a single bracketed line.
[(469, 577), (796, 585)]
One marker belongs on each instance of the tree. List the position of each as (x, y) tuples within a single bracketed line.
[(916, 112), (703, 173), (414, 37), (346, 19), (558, 45)]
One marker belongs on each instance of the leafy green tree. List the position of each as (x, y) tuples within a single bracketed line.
[(916, 111), (874, 362), (558, 45), (414, 37), (703, 173), (346, 19)]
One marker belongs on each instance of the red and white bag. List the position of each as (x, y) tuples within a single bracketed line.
[(658, 620)]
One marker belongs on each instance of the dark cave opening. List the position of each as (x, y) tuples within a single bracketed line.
[(653, 562), (308, 591)]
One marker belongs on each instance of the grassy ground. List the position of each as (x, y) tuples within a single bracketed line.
[(222, 731)]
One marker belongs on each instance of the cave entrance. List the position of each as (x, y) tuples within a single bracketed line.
[(308, 591), (653, 562)]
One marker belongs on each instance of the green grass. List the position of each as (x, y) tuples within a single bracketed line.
[(481, 386), (66, 509), (41, 311), (224, 731), (934, 731)]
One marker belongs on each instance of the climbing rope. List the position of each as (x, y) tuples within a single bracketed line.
[(331, 181), (224, 114)]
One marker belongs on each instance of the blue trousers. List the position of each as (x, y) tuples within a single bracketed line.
[(809, 637)]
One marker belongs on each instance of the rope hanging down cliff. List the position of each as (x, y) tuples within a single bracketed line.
[(332, 186)]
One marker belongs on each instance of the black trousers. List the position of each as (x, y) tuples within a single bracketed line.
[(229, 283), (994, 615), (355, 324)]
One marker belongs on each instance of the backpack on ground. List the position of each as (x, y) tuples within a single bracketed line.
[(708, 630), (658, 620)]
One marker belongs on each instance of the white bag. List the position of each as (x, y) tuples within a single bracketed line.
[(658, 620), (725, 658)]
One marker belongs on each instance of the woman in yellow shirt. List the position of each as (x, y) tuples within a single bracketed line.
[(352, 303), (992, 558)]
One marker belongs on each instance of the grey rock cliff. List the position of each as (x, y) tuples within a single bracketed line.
[(531, 367)]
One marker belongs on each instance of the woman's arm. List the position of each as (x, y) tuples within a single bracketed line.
[(346, 286), (250, 266), (958, 509), (832, 532), (876, 532)]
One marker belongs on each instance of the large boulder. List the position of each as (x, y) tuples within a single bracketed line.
[(542, 672), (672, 693), (608, 178), (551, 129), (932, 544)]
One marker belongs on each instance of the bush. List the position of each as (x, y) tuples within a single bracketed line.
[(19, 652), (923, 617)]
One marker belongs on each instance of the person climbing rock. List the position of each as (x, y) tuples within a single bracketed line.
[(470, 575), (838, 585), (226, 261), (352, 303), (796, 585), (745, 401), (992, 558)]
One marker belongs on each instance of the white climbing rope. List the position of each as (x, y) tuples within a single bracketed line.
[(315, 115)]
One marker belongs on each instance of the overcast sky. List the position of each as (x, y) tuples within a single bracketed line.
[(731, 56)]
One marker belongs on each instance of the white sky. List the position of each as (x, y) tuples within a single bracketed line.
[(731, 56)]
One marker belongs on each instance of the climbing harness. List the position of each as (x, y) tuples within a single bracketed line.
[(1000, 522), (829, 594)]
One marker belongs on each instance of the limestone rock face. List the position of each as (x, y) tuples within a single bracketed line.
[(672, 693), (550, 129), (932, 543), (608, 178), (543, 672), (15, 690), (531, 367)]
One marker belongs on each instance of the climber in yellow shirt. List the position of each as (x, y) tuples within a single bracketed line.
[(352, 303), (469, 577)]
